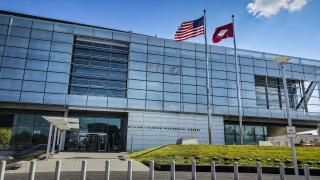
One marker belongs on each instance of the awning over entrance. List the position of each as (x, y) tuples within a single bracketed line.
[(63, 123)]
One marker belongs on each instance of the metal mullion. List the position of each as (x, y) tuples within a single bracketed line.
[(279, 92), (266, 89)]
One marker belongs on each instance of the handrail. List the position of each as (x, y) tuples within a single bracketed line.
[(32, 150)]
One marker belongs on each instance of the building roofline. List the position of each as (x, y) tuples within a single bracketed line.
[(5, 12)]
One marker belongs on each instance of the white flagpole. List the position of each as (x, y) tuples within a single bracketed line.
[(208, 79), (238, 81)]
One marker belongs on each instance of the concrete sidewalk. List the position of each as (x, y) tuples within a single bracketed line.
[(71, 161)]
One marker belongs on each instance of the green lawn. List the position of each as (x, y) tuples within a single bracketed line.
[(247, 154)]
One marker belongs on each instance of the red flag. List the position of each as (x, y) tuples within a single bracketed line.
[(222, 32)]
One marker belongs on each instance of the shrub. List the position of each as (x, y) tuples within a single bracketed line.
[(5, 135)]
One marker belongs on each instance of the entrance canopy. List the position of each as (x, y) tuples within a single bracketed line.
[(63, 123)]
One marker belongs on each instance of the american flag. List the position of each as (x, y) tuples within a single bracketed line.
[(190, 29)]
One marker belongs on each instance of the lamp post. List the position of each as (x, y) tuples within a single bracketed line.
[(282, 60)]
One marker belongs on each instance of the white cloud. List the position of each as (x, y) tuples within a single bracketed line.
[(268, 8)]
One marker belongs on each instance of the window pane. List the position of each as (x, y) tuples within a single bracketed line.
[(96, 66), (19, 31), (38, 54), (39, 44), (63, 28), (39, 34), (43, 25), (62, 37), (17, 42), (15, 52), (22, 22)]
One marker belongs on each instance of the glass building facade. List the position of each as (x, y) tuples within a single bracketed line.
[(159, 83)]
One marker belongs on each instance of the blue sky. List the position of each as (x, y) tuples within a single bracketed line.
[(290, 27)]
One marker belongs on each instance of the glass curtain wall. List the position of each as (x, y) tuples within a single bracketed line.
[(270, 94), (29, 130), (252, 133), (99, 67)]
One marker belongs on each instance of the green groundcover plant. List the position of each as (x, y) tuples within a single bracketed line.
[(245, 155)]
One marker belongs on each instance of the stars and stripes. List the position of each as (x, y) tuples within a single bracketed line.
[(190, 29)]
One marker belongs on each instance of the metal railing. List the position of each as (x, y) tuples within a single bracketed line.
[(31, 150), (151, 175)]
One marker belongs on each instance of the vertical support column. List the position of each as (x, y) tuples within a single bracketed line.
[(107, 171), (151, 170), (58, 170), (58, 137), (54, 140), (173, 170), (292, 140), (306, 172), (259, 171), (235, 171), (83, 170), (129, 173), (213, 171), (194, 170), (32, 170), (49, 141), (282, 172), (62, 140), (2, 169)]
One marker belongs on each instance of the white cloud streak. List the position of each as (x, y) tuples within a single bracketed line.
[(268, 8)]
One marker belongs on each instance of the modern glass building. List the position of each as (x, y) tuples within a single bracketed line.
[(103, 89)]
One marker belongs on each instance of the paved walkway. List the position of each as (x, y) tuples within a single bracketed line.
[(71, 161)]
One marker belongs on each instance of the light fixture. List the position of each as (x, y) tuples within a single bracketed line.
[(281, 59)]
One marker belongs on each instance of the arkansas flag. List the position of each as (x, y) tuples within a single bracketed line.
[(222, 32)]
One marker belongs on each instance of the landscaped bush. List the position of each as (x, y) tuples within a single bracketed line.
[(5, 135)]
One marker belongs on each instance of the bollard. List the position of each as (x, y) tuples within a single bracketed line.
[(2, 169), (259, 171), (32, 170), (194, 170), (213, 171), (306, 172), (282, 172), (58, 170), (151, 170), (235, 171), (173, 170), (107, 171), (83, 170), (129, 175)]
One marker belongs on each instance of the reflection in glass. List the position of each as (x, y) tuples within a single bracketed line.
[(252, 133), (96, 134), (102, 62), (29, 130)]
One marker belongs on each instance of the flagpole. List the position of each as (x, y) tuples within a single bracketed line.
[(208, 78), (238, 82)]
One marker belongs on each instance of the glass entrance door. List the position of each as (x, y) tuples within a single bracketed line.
[(106, 134), (102, 142), (92, 142)]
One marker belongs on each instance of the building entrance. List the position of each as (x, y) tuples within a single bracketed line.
[(93, 141), (98, 133)]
